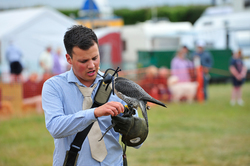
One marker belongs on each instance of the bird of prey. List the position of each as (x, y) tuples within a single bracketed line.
[(134, 94), (130, 92)]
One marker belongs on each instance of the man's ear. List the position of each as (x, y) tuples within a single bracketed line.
[(69, 60)]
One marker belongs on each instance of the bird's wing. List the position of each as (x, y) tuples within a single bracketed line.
[(131, 89)]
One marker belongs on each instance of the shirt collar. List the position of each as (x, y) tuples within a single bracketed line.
[(72, 78)]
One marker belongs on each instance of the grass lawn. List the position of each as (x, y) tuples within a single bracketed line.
[(213, 133)]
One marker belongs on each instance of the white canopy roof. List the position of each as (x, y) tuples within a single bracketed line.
[(32, 30)]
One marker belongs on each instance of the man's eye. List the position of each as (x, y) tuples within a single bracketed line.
[(83, 61)]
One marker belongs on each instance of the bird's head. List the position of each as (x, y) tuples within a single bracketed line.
[(109, 77)]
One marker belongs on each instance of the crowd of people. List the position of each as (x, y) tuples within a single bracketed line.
[(51, 63), (180, 83), (174, 84), (180, 80)]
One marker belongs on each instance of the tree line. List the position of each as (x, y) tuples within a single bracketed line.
[(171, 13)]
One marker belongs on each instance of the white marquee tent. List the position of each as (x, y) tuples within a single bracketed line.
[(32, 30)]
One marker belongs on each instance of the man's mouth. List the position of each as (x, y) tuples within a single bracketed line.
[(91, 73)]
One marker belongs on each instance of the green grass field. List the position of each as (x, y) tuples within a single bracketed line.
[(213, 133)]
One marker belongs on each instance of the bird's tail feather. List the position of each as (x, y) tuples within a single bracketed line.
[(154, 101)]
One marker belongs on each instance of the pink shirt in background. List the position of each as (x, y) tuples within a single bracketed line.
[(180, 68)]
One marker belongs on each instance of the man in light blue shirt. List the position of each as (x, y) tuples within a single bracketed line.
[(62, 102)]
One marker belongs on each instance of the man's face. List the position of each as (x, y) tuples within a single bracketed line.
[(49, 49), (184, 52), (85, 63), (199, 49)]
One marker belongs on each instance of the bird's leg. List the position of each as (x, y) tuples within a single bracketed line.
[(132, 109), (129, 110)]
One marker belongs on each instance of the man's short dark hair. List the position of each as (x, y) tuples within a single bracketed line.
[(79, 36)]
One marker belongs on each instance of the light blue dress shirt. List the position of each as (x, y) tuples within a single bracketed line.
[(64, 117)]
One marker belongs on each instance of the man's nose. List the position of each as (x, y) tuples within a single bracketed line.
[(91, 64)]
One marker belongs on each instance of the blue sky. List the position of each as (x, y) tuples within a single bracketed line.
[(132, 4)]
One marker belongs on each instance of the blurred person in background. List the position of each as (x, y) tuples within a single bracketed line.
[(148, 83), (32, 93), (161, 80), (59, 62), (46, 60), (181, 66), (206, 61), (13, 56), (180, 82), (238, 71)]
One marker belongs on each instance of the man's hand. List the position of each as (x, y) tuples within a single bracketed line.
[(111, 108)]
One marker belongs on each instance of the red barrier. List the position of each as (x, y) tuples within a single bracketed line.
[(199, 79), (200, 92)]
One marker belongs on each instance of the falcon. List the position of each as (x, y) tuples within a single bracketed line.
[(133, 94)]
